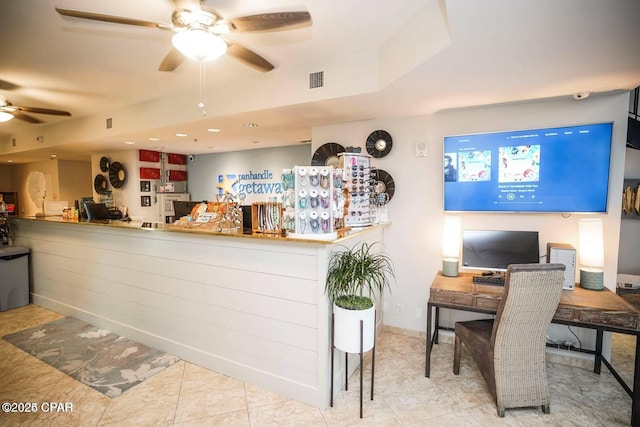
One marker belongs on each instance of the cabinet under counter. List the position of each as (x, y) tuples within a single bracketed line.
[(250, 307)]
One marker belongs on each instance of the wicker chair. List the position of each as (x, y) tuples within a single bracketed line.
[(510, 349)]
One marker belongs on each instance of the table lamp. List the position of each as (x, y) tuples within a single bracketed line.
[(451, 245), (591, 254)]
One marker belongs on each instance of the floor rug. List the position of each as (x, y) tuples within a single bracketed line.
[(98, 358)]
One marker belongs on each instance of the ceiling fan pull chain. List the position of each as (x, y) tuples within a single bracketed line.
[(203, 84)]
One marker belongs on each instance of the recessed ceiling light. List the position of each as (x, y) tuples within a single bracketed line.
[(154, 139), (129, 142), (213, 130), (250, 125), (182, 135), (9, 161), (255, 142)]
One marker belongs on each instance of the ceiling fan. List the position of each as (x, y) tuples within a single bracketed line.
[(9, 111), (199, 30)]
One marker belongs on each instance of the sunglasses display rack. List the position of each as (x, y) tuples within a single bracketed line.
[(357, 182), (309, 202)]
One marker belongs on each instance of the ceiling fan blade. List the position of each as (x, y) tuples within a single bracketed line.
[(111, 18), (271, 21), (25, 117), (42, 111), (249, 57), (5, 85), (172, 60)]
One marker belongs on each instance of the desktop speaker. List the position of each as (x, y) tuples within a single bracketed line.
[(564, 253)]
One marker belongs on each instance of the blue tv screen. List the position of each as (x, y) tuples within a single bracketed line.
[(560, 169)]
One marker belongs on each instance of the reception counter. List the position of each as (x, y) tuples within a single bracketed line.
[(249, 306)]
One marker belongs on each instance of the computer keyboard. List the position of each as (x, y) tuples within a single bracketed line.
[(489, 280)]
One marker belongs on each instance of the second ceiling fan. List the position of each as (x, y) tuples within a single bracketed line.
[(199, 27), (10, 111)]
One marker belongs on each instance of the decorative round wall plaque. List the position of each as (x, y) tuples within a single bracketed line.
[(117, 175), (104, 164), (383, 183), (100, 184), (327, 155), (379, 143)]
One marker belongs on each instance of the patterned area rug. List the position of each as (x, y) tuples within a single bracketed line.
[(98, 358)]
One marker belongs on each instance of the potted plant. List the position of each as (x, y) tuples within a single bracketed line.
[(354, 276)]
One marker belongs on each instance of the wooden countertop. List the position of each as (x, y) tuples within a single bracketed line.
[(161, 227), (585, 306)]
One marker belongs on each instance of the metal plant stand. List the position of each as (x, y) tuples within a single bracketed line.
[(346, 361)]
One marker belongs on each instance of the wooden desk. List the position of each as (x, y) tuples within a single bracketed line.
[(599, 310)]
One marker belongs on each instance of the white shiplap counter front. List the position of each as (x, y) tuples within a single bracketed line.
[(250, 308)]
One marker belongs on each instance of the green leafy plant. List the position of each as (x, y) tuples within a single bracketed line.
[(355, 274)]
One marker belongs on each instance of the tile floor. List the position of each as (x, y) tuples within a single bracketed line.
[(188, 395)]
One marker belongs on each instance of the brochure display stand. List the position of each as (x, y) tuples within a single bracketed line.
[(309, 202)]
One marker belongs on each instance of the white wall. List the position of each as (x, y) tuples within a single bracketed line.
[(414, 238), (129, 194), (204, 169), (75, 180)]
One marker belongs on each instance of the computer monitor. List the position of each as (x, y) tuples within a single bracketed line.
[(494, 250), (96, 211), (183, 208), (79, 204)]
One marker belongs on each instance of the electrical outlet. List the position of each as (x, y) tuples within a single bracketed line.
[(418, 313), (399, 309)]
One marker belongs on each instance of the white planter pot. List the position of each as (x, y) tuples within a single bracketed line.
[(346, 329)]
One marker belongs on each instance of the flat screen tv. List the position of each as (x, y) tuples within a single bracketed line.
[(561, 169), (494, 250)]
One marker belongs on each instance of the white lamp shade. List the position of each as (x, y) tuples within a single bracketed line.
[(199, 44), (591, 243), (451, 237)]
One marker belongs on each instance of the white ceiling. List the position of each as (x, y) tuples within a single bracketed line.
[(380, 59)]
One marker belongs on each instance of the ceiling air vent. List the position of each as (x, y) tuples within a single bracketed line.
[(316, 80)]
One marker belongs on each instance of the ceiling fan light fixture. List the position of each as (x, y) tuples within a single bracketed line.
[(5, 117), (220, 27), (199, 44)]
